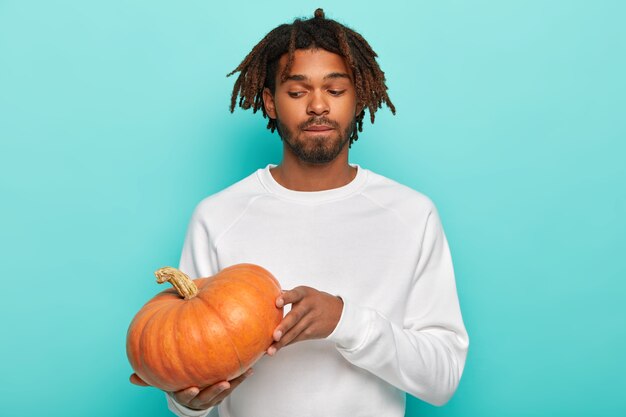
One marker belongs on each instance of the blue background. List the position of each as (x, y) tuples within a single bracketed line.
[(114, 123)]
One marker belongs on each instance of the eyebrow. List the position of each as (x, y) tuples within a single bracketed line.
[(332, 75)]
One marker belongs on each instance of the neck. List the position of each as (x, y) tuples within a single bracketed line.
[(297, 175)]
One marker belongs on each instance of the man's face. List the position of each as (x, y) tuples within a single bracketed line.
[(315, 107)]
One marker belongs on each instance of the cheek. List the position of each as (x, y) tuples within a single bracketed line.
[(348, 110), (289, 114)]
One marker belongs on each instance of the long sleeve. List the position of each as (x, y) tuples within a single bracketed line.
[(183, 411), (195, 263), (198, 258), (376, 243), (425, 354)]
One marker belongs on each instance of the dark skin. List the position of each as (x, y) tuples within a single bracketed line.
[(316, 88), (320, 88), (201, 399)]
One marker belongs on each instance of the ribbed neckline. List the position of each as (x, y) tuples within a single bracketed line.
[(268, 181)]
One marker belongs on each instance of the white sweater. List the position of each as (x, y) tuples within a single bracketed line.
[(377, 244)]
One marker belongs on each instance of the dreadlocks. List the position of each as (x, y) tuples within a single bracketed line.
[(258, 69)]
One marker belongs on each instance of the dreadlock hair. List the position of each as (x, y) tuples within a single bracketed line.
[(258, 69)]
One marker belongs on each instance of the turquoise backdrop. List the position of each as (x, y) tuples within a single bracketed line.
[(114, 123)]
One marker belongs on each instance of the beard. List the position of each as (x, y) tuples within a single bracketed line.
[(319, 149)]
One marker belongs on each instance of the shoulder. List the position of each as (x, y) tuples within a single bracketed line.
[(231, 200), (406, 201)]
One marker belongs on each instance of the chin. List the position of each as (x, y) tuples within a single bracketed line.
[(321, 154)]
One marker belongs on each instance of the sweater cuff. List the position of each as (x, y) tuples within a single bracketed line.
[(353, 327), (181, 410)]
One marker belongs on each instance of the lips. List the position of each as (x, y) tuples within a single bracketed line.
[(318, 128)]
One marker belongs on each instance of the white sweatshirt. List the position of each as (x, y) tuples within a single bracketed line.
[(377, 244)]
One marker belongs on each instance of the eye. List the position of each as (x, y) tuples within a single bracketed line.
[(295, 94), (336, 92)]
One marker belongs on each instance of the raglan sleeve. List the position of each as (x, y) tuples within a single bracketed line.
[(197, 260), (424, 355)]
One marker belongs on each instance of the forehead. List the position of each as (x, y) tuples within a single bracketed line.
[(315, 63)]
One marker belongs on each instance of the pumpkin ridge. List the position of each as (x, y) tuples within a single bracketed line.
[(142, 346), (261, 290), (167, 321), (249, 284), (180, 364), (219, 317), (145, 318)]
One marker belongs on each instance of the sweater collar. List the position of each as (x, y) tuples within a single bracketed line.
[(268, 181)]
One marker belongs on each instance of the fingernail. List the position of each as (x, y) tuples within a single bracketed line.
[(249, 372), (224, 386), (277, 335), (280, 302), (271, 351)]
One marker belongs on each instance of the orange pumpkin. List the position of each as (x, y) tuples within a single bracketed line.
[(204, 331)]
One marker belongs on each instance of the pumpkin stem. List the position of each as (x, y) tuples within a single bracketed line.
[(179, 280)]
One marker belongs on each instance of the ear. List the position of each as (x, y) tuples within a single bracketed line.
[(268, 103), (359, 108)]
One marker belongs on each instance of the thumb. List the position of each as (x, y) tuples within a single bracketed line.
[(291, 296), (134, 378)]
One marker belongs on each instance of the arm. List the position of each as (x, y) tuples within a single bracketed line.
[(424, 355), (197, 260), (195, 402)]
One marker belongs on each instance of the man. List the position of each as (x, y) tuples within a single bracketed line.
[(372, 306)]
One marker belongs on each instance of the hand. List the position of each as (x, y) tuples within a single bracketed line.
[(314, 315), (201, 399)]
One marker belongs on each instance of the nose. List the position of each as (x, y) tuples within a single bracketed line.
[(317, 104)]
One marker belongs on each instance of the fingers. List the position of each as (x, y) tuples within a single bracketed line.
[(186, 396), (293, 325), (291, 296), (210, 396), (135, 379), (233, 384), (207, 395), (296, 334), (295, 315), (314, 314)]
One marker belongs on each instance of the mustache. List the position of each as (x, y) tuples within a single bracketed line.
[(316, 121)]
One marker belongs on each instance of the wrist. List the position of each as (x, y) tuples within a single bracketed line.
[(353, 327), (337, 311)]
